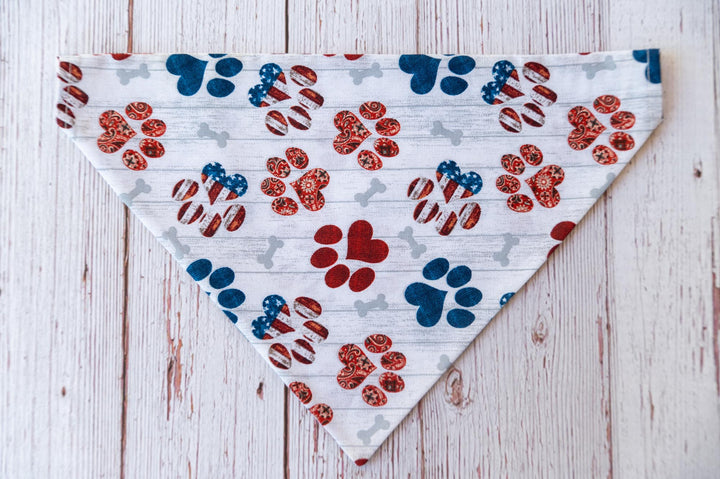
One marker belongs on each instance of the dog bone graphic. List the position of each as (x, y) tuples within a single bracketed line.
[(126, 75), (366, 434), (359, 75), (455, 136), (220, 137), (591, 69), (140, 187), (180, 249), (375, 187), (364, 308), (502, 255), (416, 250), (266, 258)]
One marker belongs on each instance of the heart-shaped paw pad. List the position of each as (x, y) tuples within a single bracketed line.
[(118, 132), (353, 133), (542, 184)]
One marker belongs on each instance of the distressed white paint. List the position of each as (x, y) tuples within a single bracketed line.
[(606, 364)]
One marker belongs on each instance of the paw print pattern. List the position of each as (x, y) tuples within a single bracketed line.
[(559, 233), (307, 187), (652, 58), (424, 70), (322, 412), (505, 298), (118, 133), (506, 87), (361, 247), (278, 323), (542, 183), (358, 367), (431, 300), (216, 284), (221, 209), (273, 89), (453, 187), (71, 96), (191, 71), (588, 128), (353, 133)]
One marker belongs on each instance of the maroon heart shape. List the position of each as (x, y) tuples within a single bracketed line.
[(362, 247)]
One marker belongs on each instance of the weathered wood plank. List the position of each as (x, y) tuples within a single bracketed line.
[(200, 401), (664, 359), (61, 273)]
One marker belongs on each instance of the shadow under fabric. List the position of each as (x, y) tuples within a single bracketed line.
[(360, 218)]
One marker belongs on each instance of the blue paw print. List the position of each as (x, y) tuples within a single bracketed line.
[(192, 71), (652, 58), (228, 298), (505, 298), (424, 70), (431, 300)]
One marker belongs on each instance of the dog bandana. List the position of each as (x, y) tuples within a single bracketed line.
[(360, 218)]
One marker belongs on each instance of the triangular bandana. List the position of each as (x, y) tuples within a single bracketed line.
[(360, 218)]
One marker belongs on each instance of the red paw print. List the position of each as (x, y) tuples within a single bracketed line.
[(307, 187), (322, 412), (353, 133), (358, 367), (542, 183), (71, 96), (360, 247), (588, 128), (118, 132)]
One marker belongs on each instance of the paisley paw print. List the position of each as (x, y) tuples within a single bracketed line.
[(431, 300), (358, 367), (118, 132), (307, 187), (322, 412), (588, 128), (542, 183), (353, 133)]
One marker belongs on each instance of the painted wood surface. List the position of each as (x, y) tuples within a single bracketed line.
[(113, 364)]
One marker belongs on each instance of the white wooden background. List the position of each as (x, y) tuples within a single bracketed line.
[(113, 364)]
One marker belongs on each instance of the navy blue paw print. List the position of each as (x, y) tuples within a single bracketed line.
[(505, 298), (192, 71), (218, 281), (424, 70), (431, 300), (652, 58)]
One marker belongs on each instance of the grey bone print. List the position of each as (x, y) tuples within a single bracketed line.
[(375, 187), (591, 69), (455, 136), (140, 187), (365, 435), (126, 75), (364, 308), (502, 255), (416, 249), (359, 75), (443, 363), (180, 249), (596, 192), (265, 259), (221, 137)]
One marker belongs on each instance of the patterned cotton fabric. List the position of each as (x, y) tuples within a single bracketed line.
[(360, 218)]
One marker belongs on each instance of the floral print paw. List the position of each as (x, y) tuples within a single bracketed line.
[(118, 132), (307, 187), (353, 133), (322, 412), (216, 284), (431, 300), (191, 71), (274, 89), (361, 248), (542, 184), (279, 323), (358, 367), (450, 204), (424, 70), (588, 128), (507, 88), (220, 209)]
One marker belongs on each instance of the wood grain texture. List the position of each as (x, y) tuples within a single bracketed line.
[(607, 364)]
